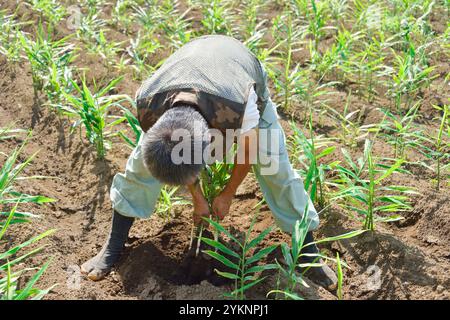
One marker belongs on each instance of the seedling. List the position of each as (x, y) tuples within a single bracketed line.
[(401, 132), (107, 49), (292, 269), (243, 261), (286, 79), (167, 201), (217, 18), (359, 185), (91, 110), (10, 173), (317, 19), (435, 146), (350, 123), (9, 281), (13, 255), (409, 78), (49, 10), (10, 44), (140, 50), (308, 154), (45, 54), (120, 15)]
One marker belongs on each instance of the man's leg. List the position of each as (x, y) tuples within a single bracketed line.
[(284, 191), (133, 195)]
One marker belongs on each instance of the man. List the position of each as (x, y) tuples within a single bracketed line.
[(213, 82)]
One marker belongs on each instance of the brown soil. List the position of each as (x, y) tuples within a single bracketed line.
[(412, 255)]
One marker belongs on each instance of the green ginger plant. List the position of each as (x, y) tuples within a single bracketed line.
[(401, 132), (409, 78), (217, 17), (10, 44), (12, 274), (49, 62), (167, 201), (308, 154), (351, 124), (292, 269), (435, 146), (49, 10), (243, 261), (92, 110), (360, 188)]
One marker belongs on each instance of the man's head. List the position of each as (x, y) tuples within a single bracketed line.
[(159, 142)]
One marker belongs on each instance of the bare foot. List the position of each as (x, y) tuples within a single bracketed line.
[(100, 265)]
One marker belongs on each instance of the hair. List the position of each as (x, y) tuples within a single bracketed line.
[(157, 145)]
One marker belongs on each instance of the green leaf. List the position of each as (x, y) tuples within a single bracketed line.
[(257, 240), (220, 246), (292, 296), (260, 254), (227, 275), (264, 267), (221, 259), (26, 243), (26, 292), (347, 235), (339, 276), (247, 286), (219, 228), (394, 167)]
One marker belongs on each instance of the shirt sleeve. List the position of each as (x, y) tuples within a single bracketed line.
[(251, 114)]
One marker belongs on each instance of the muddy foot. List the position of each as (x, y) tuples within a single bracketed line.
[(323, 276), (100, 265)]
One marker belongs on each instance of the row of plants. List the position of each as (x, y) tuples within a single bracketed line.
[(17, 282)]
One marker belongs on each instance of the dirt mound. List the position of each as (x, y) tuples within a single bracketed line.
[(385, 267), (433, 224)]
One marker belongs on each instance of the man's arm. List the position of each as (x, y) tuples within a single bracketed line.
[(221, 204)]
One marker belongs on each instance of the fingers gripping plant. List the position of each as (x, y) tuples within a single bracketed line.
[(243, 262), (213, 179), (360, 187)]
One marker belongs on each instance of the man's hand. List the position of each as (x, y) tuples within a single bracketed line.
[(201, 206), (221, 205), (201, 209)]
